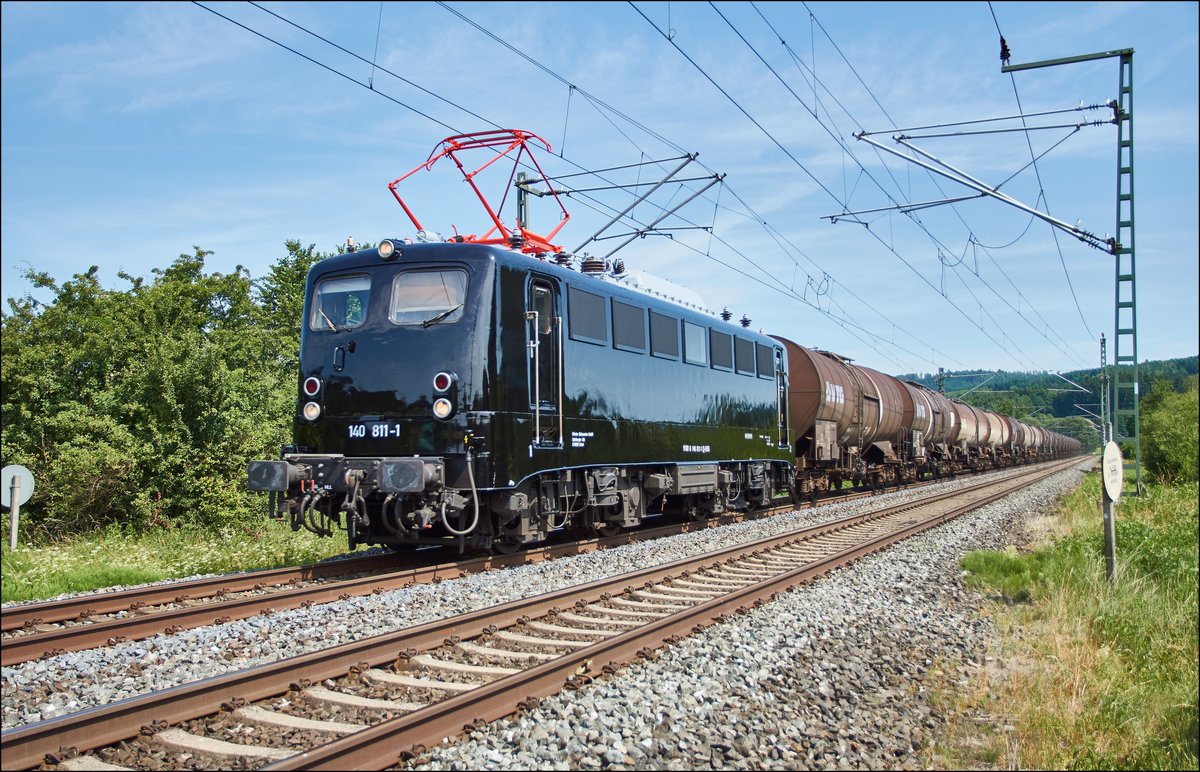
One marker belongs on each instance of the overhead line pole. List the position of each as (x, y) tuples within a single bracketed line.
[(1123, 403)]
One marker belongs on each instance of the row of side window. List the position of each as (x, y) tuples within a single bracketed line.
[(588, 315)]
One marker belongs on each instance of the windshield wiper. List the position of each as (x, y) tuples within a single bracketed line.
[(435, 319), (329, 321)]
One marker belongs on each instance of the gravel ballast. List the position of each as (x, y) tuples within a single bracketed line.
[(899, 608), (829, 676)]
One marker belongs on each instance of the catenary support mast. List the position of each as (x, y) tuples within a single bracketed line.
[(1124, 399)]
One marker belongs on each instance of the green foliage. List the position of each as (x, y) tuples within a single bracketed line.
[(141, 406), (1171, 432)]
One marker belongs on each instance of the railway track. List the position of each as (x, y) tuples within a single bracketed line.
[(36, 630), (360, 704)]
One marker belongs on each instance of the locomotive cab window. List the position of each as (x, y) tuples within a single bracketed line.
[(340, 303), (428, 297)]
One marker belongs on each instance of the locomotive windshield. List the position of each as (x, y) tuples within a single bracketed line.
[(340, 303), (428, 297)]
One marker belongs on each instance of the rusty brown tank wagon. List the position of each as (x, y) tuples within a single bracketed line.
[(854, 424)]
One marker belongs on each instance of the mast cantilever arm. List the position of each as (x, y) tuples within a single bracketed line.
[(962, 178)]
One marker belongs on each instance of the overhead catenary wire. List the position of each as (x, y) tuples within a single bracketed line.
[(573, 88), (600, 106), (817, 118), (1042, 189), (1073, 355), (808, 172), (1046, 330)]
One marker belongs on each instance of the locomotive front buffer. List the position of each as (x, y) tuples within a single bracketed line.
[(318, 488)]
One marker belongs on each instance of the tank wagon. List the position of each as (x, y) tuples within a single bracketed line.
[(493, 391), (858, 425)]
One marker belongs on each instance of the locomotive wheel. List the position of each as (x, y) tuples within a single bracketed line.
[(608, 529), (504, 545)]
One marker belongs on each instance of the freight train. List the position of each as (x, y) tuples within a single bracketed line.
[(495, 391)]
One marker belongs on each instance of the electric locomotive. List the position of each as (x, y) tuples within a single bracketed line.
[(472, 392)]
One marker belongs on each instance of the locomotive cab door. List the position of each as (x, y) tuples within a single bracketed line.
[(543, 325), (781, 401)]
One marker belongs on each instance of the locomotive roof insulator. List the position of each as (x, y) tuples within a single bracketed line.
[(593, 265)]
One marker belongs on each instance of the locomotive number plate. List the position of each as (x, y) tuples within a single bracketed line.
[(376, 431)]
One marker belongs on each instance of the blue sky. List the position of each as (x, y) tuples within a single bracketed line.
[(133, 131)]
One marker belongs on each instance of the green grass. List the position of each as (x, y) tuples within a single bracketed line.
[(1105, 674), (111, 557), (1011, 574)]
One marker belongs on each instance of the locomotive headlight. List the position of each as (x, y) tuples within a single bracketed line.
[(311, 386), (442, 408), (312, 411), (388, 249)]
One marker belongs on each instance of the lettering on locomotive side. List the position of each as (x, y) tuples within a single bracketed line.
[(579, 439), (697, 448)]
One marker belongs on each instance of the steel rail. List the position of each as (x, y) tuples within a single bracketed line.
[(85, 606), (16, 617), (16, 649), (376, 747), (25, 747), (23, 648)]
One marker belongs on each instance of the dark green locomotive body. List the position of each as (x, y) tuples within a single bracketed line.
[(458, 390)]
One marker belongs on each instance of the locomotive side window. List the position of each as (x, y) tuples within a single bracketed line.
[(340, 303), (721, 348), (743, 354), (695, 345), (629, 327), (765, 357), (664, 336), (586, 312), (428, 297)]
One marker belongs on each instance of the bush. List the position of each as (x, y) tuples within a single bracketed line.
[(141, 406), (1171, 433)]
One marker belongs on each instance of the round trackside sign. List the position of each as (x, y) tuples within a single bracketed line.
[(1112, 466), (26, 484)]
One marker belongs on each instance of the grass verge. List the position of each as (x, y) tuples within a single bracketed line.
[(112, 557), (1088, 674)]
